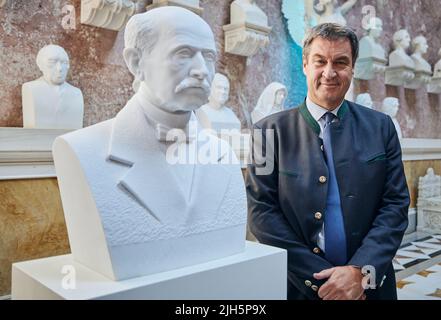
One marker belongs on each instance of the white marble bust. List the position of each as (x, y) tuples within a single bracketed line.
[(270, 101), (132, 206), (365, 100), (399, 57), (390, 107), (329, 11), (50, 102), (369, 45), (419, 45), (215, 114), (246, 11)]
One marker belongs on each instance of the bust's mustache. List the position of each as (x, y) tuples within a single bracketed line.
[(193, 83)]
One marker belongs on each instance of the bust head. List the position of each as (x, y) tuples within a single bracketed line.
[(220, 90), (280, 97), (365, 100), (53, 62), (171, 51), (390, 106), (375, 27), (401, 39), (419, 45)]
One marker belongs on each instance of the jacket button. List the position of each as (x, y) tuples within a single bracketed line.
[(322, 179), (316, 250), (314, 287), (321, 147), (318, 215), (308, 283)]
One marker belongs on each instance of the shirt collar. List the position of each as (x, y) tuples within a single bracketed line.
[(317, 111)]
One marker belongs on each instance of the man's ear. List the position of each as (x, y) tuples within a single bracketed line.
[(304, 66), (132, 57)]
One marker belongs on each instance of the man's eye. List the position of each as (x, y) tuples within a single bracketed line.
[(210, 56), (184, 53), (319, 62)]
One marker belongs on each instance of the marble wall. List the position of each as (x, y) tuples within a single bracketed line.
[(420, 112), (98, 69), (31, 224)]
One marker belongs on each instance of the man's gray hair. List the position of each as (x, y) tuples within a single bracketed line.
[(332, 32)]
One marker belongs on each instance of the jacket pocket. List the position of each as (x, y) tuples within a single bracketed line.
[(377, 157)]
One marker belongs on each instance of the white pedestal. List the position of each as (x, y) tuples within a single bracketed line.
[(260, 272)]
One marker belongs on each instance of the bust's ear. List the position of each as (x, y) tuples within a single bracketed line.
[(132, 57)]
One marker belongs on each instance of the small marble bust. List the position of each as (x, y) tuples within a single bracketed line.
[(270, 101), (365, 100), (50, 102), (419, 45), (246, 11), (215, 114), (329, 11), (369, 45), (390, 107), (399, 57)]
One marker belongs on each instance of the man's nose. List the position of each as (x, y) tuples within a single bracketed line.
[(199, 68), (59, 66), (329, 71)]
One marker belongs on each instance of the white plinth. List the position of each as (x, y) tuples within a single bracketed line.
[(260, 272)]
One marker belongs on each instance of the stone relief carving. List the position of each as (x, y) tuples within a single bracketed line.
[(330, 11), (372, 56), (429, 202), (401, 69), (107, 14), (50, 102), (248, 30), (270, 101)]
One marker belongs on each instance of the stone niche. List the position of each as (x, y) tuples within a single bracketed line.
[(248, 30), (192, 5), (107, 14)]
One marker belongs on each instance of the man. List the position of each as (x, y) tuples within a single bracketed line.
[(51, 102), (144, 211), (336, 198)]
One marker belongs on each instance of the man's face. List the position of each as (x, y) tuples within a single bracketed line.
[(54, 65), (328, 70), (180, 68), (220, 91)]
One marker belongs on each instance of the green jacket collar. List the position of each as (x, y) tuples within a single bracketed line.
[(310, 119)]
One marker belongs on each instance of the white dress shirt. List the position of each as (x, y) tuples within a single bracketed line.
[(318, 113)]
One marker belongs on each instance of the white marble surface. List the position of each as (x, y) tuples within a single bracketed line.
[(401, 69), (330, 11), (149, 191), (271, 100), (248, 30)]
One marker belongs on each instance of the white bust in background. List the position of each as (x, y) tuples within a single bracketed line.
[(246, 11), (50, 102), (270, 101), (437, 67), (329, 11), (390, 107), (133, 206), (419, 45), (399, 57), (369, 45), (215, 114), (365, 100)]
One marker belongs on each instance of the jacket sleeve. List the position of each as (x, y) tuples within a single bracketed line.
[(384, 238), (267, 221)]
